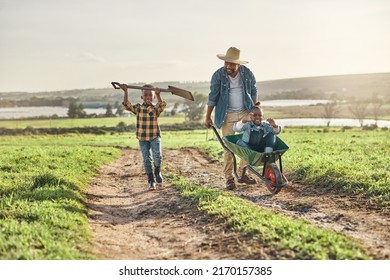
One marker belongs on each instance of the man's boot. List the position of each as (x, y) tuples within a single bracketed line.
[(230, 185), (247, 180)]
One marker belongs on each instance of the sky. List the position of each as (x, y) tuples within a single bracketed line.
[(50, 45)]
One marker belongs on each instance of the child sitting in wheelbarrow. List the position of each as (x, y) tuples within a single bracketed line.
[(257, 135)]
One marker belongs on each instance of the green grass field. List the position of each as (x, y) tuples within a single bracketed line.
[(42, 215), (351, 162), (42, 211)]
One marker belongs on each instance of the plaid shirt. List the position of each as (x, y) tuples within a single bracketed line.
[(147, 125)]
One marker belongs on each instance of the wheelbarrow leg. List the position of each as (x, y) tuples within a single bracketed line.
[(266, 160), (280, 164), (242, 173)]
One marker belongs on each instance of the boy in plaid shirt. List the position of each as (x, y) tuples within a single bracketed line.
[(148, 130)]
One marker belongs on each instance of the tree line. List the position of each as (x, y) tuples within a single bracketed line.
[(38, 102), (76, 110), (193, 110), (359, 108)]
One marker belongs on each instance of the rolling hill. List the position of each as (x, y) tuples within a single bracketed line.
[(359, 86)]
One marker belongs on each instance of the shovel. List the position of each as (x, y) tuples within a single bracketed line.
[(174, 90)]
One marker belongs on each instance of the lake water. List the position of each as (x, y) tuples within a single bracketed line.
[(333, 122), (292, 102), (25, 112)]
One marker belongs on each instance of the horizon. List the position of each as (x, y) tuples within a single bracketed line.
[(193, 82)]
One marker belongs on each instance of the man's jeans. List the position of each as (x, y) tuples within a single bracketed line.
[(227, 129), (149, 149)]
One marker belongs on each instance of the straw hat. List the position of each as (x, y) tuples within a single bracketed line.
[(232, 55)]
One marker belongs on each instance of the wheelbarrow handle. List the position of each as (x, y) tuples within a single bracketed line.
[(117, 85), (221, 141), (229, 151)]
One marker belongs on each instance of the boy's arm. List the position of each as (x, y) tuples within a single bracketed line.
[(160, 107), (247, 118), (125, 94), (240, 126), (126, 103), (157, 91), (237, 126), (277, 128)]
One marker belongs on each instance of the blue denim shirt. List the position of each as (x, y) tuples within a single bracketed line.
[(219, 92)]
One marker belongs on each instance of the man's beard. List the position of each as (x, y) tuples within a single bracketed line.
[(230, 71)]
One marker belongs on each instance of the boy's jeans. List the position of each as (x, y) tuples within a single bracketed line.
[(268, 141), (155, 147)]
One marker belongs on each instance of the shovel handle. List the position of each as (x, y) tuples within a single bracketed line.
[(117, 85)]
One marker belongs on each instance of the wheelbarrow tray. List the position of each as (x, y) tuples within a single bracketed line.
[(252, 157)]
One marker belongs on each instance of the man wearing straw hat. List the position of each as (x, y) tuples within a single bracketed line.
[(233, 93)]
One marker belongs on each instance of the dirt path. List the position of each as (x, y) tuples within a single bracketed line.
[(130, 222)]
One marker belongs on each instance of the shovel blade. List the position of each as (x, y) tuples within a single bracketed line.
[(181, 92)]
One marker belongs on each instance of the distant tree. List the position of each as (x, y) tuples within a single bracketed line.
[(331, 109), (376, 106), (80, 111), (194, 110), (120, 110), (72, 110), (175, 108), (109, 112), (76, 111), (359, 110)]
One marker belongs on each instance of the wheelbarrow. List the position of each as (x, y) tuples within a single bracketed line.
[(270, 173)]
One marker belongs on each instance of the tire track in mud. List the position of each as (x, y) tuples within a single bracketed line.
[(130, 222)]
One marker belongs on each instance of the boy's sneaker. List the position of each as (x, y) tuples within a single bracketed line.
[(152, 186), (159, 178), (151, 182)]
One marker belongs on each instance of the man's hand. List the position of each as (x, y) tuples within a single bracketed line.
[(208, 122)]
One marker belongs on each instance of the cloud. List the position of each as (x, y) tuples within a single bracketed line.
[(88, 57)]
